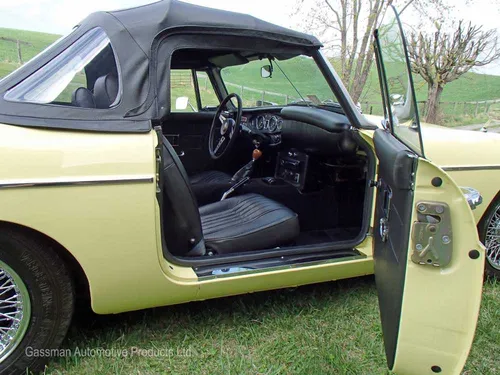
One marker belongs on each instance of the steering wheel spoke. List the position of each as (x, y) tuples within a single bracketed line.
[(219, 144)]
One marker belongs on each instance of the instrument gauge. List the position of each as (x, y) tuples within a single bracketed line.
[(280, 124), (261, 121), (273, 124)]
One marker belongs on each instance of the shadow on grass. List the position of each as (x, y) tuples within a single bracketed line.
[(254, 305)]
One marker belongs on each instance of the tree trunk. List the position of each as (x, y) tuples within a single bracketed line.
[(434, 96)]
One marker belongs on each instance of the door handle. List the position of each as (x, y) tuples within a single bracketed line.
[(180, 153)]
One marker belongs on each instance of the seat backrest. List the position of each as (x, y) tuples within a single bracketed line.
[(82, 97), (105, 90), (181, 218)]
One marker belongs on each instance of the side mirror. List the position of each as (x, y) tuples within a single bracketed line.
[(181, 103), (266, 71)]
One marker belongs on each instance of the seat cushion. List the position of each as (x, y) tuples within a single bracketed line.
[(209, 177), (247, 222)]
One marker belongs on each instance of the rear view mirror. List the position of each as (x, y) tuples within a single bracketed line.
[(266, 71), (181, 103)]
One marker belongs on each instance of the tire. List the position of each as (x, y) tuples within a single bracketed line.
[(489, 234), (44, 289)]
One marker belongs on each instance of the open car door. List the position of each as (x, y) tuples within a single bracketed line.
[(428, 257)]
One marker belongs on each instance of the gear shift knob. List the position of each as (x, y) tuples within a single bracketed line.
[(256, 154)]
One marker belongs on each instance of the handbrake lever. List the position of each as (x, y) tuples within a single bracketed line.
[(233, 188)]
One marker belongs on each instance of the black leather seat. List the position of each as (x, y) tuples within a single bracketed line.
[(210, 177), (106, 91), (247, 222), (104, 95), (242, 223)]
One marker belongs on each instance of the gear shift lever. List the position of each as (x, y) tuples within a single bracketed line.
[(247, 169)]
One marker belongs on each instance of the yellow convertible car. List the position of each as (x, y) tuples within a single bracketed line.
[(172, 153)]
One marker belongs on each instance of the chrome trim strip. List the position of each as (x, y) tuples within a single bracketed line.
[(283, 267), (461, 168), (75, 181)]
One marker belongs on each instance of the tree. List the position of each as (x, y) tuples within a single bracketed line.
[(442, 57), (347, 26)]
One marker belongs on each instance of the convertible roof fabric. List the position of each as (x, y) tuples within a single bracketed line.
[(143, 40), (145, 22)]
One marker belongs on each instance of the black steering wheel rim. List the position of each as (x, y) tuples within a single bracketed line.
[(227, 127)]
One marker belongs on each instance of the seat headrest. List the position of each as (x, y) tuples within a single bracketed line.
[(82, 97), (105, 90)]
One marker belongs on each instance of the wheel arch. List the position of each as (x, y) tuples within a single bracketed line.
[(495, 199), (80, 280)]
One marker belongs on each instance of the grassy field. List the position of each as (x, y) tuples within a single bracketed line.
[(38, 41), (330, 328)]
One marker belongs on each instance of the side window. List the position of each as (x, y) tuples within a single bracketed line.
[(183, 91), (207, 92), (83, 75)]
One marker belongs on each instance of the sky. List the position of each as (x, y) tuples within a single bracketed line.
[(59, 16)]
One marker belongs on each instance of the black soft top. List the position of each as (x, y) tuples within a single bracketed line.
[(145, 22), (143, 40)]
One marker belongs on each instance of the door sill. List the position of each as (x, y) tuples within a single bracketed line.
[(277, 263)]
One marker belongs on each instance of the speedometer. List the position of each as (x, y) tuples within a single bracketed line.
[(273, 124), (260, 122)]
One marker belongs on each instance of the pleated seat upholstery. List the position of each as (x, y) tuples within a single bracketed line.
[(247, 222)]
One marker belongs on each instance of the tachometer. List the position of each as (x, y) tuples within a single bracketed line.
[(273, 124)]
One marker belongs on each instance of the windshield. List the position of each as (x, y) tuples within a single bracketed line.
[(294, 81)]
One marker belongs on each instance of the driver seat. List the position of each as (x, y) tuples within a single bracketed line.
[(210, 177), (242, 223)]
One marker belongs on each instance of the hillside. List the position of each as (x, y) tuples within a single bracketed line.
[(471, 87), (8, 50)]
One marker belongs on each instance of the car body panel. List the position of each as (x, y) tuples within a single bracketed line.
[(116, 237), (441, 304)]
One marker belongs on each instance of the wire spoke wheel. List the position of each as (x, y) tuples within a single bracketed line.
[(492, 240), (15, 310)]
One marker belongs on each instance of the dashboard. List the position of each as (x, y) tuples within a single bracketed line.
[(267, 123)]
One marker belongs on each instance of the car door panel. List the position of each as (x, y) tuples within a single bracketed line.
[(392, 218), (428, 258)]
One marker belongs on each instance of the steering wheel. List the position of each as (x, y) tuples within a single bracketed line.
[(225, 128)]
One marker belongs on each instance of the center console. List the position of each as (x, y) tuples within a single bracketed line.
[(292, 166)]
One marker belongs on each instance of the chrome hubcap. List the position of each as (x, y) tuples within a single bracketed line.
[(15, 310), (492, 240)]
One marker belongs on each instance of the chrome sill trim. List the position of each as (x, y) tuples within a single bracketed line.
[(280, 268), (460, 168), (75, 181)]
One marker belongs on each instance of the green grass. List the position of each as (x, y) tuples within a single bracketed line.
[(8, 50), (330, 328)]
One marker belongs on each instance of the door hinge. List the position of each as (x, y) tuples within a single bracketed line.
[(432, 239)]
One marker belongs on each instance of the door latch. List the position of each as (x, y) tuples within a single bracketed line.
[(432, 239)]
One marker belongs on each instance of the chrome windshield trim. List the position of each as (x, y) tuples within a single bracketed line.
[(460, 168), (75, 181)]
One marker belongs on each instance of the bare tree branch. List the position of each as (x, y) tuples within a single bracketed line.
[(442, 57)]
